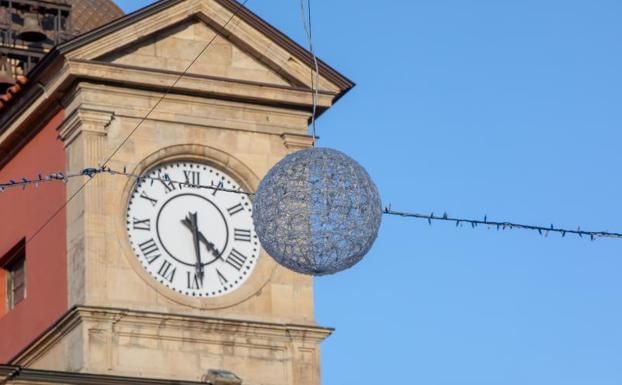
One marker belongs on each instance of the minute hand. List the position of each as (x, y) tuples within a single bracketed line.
[(209, 245), (191, 223)]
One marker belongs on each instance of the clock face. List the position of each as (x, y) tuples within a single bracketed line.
[(197, 241)]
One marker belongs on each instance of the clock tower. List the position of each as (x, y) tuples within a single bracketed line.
[(163, 277)]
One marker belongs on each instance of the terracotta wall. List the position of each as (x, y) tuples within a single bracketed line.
[(22, 213)]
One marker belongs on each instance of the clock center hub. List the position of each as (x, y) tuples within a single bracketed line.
[(177, 238)]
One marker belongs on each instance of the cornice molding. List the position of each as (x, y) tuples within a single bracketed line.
[(132, 318), (17, 375), (7, 373), (297, 141), (85, 120), (198, 85)]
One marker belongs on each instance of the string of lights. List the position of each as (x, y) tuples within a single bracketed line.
[(116, 150), (90, 173), (542, 230), (23, 182)]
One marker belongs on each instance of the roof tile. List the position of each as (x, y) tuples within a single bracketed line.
[(87, 15)]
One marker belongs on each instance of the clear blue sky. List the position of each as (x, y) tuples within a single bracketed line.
[(511, 109)]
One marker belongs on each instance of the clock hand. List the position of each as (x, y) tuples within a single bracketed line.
[(191, 222), (197, 248), (208, 245)]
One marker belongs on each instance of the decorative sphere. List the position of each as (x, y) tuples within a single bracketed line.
[(317, 211)]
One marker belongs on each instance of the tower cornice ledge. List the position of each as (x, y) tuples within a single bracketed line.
[(142, 328), (84, 119), (10, 374), (196, 84)]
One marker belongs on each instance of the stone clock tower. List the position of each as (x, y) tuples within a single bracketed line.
[(159, 280)]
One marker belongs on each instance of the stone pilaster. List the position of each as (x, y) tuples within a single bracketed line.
[(84, 133)]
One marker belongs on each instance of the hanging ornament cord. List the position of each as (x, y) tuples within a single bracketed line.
[(315, 71)]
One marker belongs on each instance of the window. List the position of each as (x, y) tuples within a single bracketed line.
[(14, 267)]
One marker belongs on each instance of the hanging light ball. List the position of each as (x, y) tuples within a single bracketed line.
[(317, 212)]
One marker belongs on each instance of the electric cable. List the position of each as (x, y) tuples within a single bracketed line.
[(315, 71), (91, 173), (542, 230), (116, 150)]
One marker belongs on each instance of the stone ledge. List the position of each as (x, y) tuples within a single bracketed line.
[(200, 85), (297, 141), (15, 374), (83, 119), (172, 327)]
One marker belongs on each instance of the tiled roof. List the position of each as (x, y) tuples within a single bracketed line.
[(20, 82), (86, 15)]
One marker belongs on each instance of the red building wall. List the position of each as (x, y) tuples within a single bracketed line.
[(22, 213)]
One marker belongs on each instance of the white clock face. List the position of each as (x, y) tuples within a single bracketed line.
[(196, 241)]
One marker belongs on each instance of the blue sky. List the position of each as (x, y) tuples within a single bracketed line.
[(510, 109)]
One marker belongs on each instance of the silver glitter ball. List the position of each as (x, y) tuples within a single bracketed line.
[(317, 212)]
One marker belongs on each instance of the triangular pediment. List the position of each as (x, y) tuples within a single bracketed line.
[(170, 34), (178, 48), (248, 61)]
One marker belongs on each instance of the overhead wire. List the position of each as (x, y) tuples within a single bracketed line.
[(91, 173), (116, 150), (542, 230), (307, 24), (315, 71)]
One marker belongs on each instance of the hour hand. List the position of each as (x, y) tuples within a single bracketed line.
[(208, 245)]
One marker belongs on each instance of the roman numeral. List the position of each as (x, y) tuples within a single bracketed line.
[(166, 272), (220, 185), (236, 259), (242, 235), (195, 282), (150, 250), (154, 202), (235, 209), (221, 278), (168, 185), (193, 178), (142, 224)]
